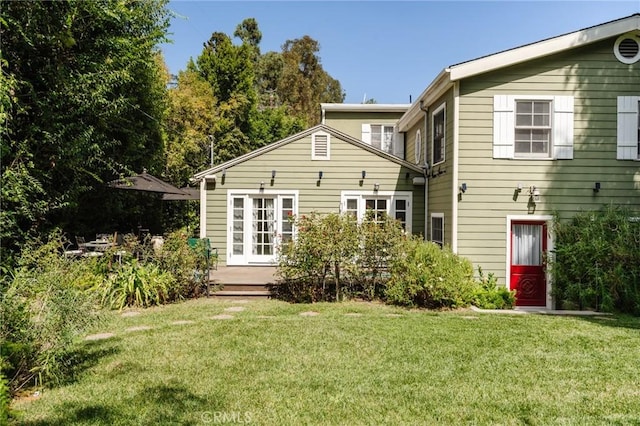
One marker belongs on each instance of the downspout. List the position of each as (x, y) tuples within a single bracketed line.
[(426, 169), (203, 208), (456, 143)]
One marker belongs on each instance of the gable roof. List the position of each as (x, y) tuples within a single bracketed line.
[(319, 128), (517, 55)]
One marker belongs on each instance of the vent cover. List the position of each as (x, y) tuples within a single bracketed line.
[(627, 48)]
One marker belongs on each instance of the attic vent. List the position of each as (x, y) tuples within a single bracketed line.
[(320, 147), (627, 48)]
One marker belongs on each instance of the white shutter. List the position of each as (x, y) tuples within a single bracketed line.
[(366, 133), (563, 127), (398, 143), (628, 127), (503, 126)]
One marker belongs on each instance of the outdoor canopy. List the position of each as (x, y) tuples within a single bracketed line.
[(148, 183)]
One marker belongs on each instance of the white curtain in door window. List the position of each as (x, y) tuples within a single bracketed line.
[(269, 225), (526, 245)]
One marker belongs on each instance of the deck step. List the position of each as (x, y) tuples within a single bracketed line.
[(240, 293), (245, 287)]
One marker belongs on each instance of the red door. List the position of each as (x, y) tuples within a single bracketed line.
[(528, 247)]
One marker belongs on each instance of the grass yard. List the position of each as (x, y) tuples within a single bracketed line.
[(352, 363)]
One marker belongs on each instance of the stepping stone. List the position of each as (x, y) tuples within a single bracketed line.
[(182, 322), (309, 314), (265, 316), (99, 336), (235, 309), (242, 301), (469, 318), (352, 314), (130, 314), (138, 328), (393, 315), (222, 317)]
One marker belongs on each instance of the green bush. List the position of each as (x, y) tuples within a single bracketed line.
[(137, 284), (5, 397), (489, 295), (597, 261), (44, 307), (319, 264), (431, 277)]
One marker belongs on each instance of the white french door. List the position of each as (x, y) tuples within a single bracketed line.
[(258, 224)]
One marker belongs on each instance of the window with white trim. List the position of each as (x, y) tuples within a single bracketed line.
[(320, 146), (628, 143), (532, 126), (385, 137), (395, 204), (437, 228), (438, 136)]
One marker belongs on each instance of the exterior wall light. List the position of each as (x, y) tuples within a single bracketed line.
[(376, 186), (273, 174), (596, 187), (535, 194), (463, 187), (364, 174), (320, 175)]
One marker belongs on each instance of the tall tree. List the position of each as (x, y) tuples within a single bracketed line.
[(304, 84), (87, 105)]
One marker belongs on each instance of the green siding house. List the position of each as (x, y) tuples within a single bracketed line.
[(483, 160)]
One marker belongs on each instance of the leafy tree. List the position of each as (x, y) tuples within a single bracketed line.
[(85, 105), (304, 84)]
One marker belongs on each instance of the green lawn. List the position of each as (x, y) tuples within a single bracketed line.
[(271, 365)]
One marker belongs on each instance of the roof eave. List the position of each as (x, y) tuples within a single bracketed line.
[(545, 47), (437, 88)]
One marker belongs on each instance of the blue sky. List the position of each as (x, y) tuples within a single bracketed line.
[(385, 50)]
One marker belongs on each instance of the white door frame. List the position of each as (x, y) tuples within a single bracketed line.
[(548, 219), (247, 195)]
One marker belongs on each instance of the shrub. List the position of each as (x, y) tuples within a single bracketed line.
[(489, 295), (318, 265), (44, 308), (597, 261), (5, 397), (429, 276), (137, 284)]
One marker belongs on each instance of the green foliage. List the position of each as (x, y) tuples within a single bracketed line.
[(318, 264), (426, 275), (335, 258), (489, 295), (84, 104), (5, 397), (44, 308), (137, 284), (187, 265), (597, 261)]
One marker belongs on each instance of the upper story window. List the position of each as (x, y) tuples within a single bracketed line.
[(384, 137), (533, 126), (628, 128), (320, 146), (438, 126)]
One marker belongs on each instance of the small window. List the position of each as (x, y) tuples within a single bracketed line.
[(438, 135), (533, 129), (382, 137), (363, 204), (418, 147), (320, 148), (437, 228)]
